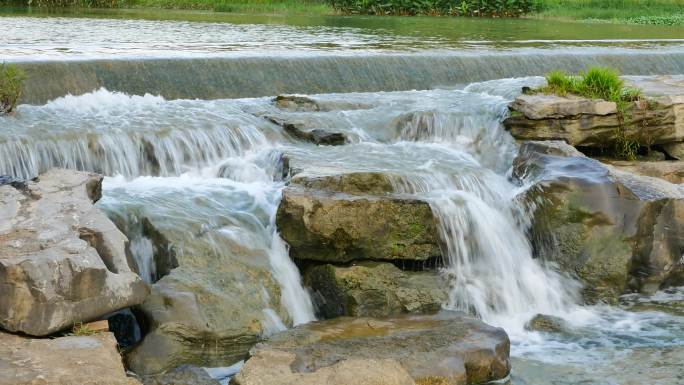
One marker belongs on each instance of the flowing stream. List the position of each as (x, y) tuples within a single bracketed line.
[(212, 170)]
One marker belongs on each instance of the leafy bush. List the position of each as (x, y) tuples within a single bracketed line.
[(490, 8), (11, 79)]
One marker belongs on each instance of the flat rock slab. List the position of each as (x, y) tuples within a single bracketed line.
[(452, 348), (62, 261), (83, 360), (540, 106)]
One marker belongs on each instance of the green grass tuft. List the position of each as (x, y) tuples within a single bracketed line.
[(600, 83), (11, 80)]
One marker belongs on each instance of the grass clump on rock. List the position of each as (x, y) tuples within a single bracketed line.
[(596, 83), (600, 83), (11, 79)]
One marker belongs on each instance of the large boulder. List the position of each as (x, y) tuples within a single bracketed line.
[(450, 349), (596, 123), (61, 260), (355, 217), (374, 290), (616, 231), (86, 360), (211, 309)]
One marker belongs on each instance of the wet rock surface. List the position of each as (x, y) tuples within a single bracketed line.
[(91, 360), (451, 348), (62, 261), (344, 218), (315, 136), (546, 323), (615, 230), (374, 290), (207, 312), (182, 375)]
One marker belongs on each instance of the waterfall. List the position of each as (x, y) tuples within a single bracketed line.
[(113, 133), (242, 76)]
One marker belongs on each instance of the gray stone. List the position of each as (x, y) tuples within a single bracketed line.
[(452, 348), (91, 360), (62, 261), (540, 106)]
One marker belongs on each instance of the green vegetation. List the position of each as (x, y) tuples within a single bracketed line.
[(596, 83), (311, 7), (656, 12), (489, 8), (600, 83), (664, 12), (240, 6), (11, 79)]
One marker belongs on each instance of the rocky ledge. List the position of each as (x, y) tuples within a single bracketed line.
[(657, 119), (62, 261), (448, 348)]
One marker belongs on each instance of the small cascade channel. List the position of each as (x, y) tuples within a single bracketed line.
[(208, 174)]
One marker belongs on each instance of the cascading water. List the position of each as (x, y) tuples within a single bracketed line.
[(210, 175)]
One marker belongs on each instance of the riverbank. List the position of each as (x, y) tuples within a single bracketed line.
[(655, 12), (649, 12)]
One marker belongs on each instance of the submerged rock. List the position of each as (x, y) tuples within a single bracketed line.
[(182, 375), (322, 223), (296, 103), (210, 310), (616, 231), (375, 290), (454, 348), (62, 261), (546, 323), (315, 136), (596, 123), (92, 360)]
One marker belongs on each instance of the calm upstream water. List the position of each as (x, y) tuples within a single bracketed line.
[(170, 107)]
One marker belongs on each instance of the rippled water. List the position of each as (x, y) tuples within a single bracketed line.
[(202, 35)]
